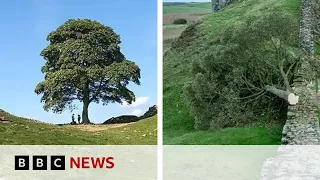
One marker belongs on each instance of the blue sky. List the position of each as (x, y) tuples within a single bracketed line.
[(23, 36)]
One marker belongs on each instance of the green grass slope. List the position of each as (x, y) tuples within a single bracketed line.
[(21, 131), (195, 44), (187, 8)]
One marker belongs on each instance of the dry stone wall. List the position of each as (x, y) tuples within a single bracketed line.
[(219, 4), (302, 126)]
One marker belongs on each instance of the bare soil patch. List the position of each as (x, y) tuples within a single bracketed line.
[(169, 18), (96, 128)]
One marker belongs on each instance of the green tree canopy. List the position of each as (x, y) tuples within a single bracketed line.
[(83, 62)]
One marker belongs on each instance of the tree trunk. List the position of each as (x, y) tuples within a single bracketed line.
[(86, 102), (85, 115), (286, 95)]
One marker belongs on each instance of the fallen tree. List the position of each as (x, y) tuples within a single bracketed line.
[(249, 73), (290, 97)]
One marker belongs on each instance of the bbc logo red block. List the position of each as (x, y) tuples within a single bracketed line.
[(59, 162)]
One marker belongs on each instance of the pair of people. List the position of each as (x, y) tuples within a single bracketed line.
[(79, 119)]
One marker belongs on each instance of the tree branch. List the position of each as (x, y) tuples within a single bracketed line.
[(97, 92)]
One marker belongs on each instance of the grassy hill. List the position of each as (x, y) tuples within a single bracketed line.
[(21, 131), (189, 11), (195, 44)]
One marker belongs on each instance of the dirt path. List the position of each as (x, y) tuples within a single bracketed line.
[(95, 128)]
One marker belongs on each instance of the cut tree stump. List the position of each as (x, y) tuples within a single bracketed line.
[(290, 97)]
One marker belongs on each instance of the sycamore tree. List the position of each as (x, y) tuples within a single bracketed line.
[(83, 62)]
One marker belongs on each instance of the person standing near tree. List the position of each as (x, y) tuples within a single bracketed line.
[(72, 118), (79, 118)]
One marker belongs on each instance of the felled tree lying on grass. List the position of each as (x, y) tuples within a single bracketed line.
[(250, 73), (84, 62)]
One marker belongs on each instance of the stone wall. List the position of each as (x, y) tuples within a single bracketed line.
[(152, 111), (302, 126), (316, 10), (219, 4), (306, 27)]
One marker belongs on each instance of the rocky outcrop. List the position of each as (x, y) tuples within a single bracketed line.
[(152, 111), (122, 119)]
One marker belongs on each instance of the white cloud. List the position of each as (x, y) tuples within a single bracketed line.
[(139, 102), (137, 112)]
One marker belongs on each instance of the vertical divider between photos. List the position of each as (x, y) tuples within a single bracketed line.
[(160, 91)]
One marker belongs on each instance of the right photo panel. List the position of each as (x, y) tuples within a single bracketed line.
[(242, 73)]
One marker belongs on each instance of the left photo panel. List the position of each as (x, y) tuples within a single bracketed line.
[(78, 73)]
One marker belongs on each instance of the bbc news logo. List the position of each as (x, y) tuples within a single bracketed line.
[(59, 163)]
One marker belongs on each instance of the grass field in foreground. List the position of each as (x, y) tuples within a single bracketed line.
[(177, 123), (21, 131), (252, 135)]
